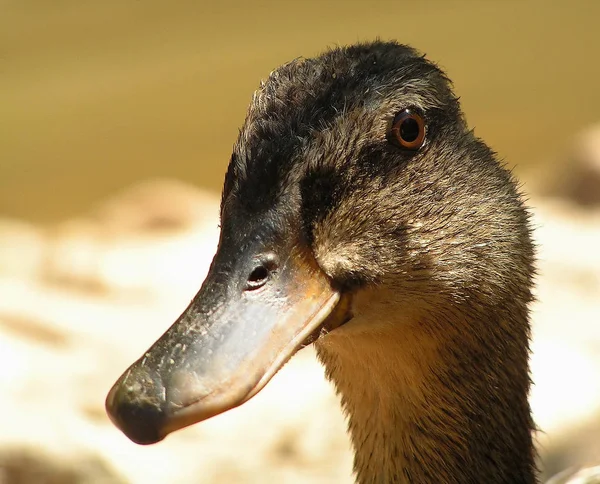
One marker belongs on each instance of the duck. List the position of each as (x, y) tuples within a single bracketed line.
[(360, 214)]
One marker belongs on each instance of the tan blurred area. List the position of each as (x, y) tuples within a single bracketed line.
[(116, 124)]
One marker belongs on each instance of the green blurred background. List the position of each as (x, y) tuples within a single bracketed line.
[(97, 94)]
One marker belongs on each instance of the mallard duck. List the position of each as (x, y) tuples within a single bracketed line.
[(360, 214)]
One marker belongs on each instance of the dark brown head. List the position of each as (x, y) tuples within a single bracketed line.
[(354, 170)]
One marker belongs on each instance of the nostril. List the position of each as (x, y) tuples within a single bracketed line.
[(258, 277), (266, 267)]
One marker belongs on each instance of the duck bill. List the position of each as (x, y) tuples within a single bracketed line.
[(224, 348)]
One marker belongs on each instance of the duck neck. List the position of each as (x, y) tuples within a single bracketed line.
[(431, 398)]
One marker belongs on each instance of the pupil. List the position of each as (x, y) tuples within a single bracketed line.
[(409, 130)]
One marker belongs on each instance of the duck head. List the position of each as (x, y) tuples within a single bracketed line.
[(354, 172)]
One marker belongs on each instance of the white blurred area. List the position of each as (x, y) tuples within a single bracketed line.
[(80, 301)]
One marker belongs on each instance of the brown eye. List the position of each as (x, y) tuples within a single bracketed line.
[(408, 130)]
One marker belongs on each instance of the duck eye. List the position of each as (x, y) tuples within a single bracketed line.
[(408, 130)]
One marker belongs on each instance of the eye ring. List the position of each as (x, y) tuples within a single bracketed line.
[(408, 130)]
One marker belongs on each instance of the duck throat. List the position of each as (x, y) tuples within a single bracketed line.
[(432, 398)]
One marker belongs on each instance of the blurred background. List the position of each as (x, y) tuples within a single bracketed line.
[(116, 125)]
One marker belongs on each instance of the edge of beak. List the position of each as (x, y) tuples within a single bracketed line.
[(234, 344), (239, 390)]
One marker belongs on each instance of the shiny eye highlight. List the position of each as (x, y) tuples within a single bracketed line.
[(408, 130)]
